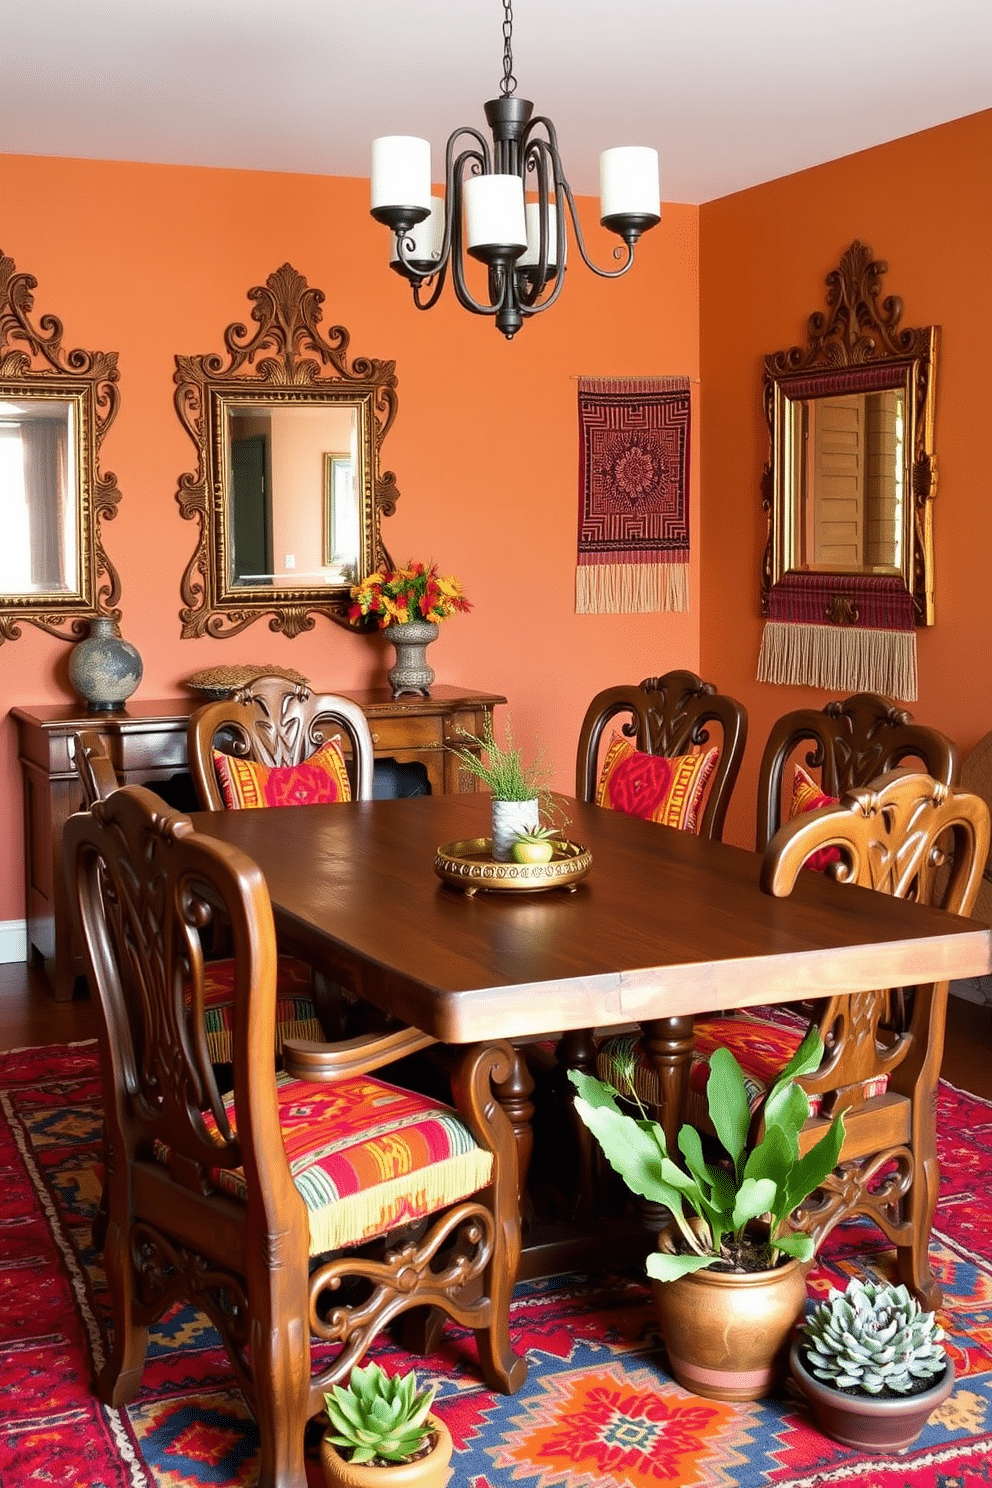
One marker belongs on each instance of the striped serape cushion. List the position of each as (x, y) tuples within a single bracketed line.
[(367, 1156), (657, 788), (296, 1015)]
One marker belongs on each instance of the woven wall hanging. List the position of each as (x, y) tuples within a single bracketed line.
[(633, 543)]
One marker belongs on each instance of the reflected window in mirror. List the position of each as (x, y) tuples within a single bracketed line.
[(848, 490), (288, 491), (55, 407)]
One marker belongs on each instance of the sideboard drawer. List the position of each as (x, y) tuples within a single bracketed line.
[(410, 732)]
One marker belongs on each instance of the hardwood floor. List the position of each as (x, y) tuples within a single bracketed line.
[(30, 1016)]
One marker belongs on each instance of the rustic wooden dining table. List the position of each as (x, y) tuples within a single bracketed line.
[(664, 926)]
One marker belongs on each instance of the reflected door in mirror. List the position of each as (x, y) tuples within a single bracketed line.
[(39, 484), (288, 526), (851, 478)]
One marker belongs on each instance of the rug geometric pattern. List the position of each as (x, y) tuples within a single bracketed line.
[(598, 1408)]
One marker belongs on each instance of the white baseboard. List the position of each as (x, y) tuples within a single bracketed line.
[(13, 940)]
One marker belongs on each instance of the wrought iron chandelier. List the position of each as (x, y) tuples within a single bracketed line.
[(485, 211)]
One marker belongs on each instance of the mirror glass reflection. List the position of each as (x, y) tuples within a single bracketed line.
[(848, 467), (293, 518), (39, 484)]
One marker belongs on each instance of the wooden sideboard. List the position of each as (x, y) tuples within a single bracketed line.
[(147, 743)]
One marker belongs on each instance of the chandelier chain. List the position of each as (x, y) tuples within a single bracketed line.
[(509, 83)]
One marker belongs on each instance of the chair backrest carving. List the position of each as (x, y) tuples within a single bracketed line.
[(94, 767), (907, 835), (849, 743), (670, 715), (276, 723)]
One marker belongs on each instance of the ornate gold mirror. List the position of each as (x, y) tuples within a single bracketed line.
[(287, 489), (848, 491), (55, 408)]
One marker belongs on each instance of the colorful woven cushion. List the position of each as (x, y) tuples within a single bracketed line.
[(762, 1046), (366, 1156), (807, 796), (296, 1016), (318, 781), (653, 786)]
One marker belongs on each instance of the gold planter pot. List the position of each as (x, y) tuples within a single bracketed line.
[(728, 1333), (432, 1471)]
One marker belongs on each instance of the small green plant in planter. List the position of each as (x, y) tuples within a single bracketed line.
[(872, 1364), (378, 1422), (520, 792), (728, 1270)]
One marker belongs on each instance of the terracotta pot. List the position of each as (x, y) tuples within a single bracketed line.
[(432, 1471), (869, 1422), (727, 1333)]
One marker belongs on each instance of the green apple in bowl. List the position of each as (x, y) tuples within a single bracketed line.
[(535, 846)]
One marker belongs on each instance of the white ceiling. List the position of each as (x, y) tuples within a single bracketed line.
[(731, 92)]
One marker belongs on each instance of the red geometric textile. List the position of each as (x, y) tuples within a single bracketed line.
[(655, 787), (366, 1156), (633, 480), (807, 796), (599, 1408), (878, 601), (761, 1046), (296, 1015), (320, 780)]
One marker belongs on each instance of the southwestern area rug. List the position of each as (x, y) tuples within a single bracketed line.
[(598, 1407)]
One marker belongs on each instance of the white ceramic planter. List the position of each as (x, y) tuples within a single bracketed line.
[(510, 818)]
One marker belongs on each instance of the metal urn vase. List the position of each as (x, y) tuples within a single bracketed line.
[(411, 672), (104, 669)]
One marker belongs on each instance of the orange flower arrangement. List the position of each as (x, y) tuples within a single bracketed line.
[(398, 595)]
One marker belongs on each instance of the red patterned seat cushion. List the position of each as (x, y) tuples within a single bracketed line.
[(320, 780), (367, 1156), (296, 1016), (654, 786), (807, 796), (762, 1047)]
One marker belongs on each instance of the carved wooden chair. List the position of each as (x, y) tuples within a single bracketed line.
[(296, 996), (907, 835), (268, 1208), (673, 716), (673, 753), (276, 743), (848, 743)]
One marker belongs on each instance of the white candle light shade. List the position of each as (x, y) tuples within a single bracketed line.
[(530, 256), (427, 236), (629, 182), (401, 171), (494, 212)]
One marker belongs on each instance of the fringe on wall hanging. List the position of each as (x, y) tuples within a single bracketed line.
[(845, 633), (633, 546)]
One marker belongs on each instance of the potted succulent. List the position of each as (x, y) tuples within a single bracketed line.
[(729, 1275), (519, 791), (381, 1433), (872, 1365)]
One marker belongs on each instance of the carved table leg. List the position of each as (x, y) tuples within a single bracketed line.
[(577, 1050), (668, 1042), (514, 1095)]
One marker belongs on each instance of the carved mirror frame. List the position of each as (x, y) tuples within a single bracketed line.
[(35, 367), (857, 346), (284, 359)]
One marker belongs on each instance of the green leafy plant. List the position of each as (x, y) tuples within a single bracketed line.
[(714, 1204), (539, 834), (873, 1338), (378, 1416), (501, 766)]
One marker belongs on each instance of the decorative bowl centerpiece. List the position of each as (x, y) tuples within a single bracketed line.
[(470, 866)]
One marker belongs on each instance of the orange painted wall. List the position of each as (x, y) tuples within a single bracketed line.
[(151, 260), (923, 205)]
